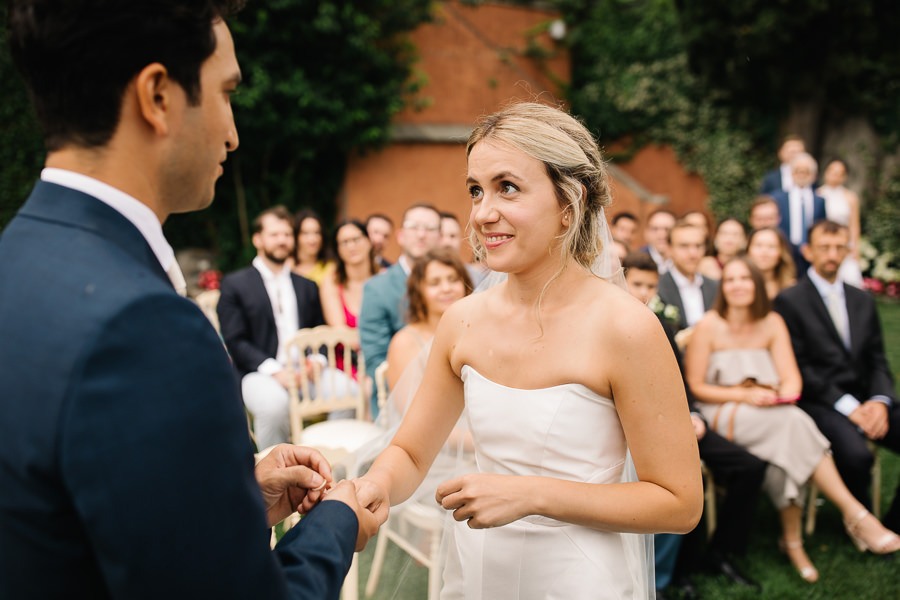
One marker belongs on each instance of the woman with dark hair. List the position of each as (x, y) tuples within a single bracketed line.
[(729, 240), (771, 252), (435, 281), (741, 367), (311, 256), (341, 288)]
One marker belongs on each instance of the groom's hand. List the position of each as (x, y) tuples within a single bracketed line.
[(485, 499), (291, 478), (345, 492)]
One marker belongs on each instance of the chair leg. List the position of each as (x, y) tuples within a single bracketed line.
[(377, 562), (876, 483), (812, 505), (434, 567), (350, 589), (709, 499)]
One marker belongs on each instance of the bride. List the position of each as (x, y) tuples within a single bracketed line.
[(561, 374)]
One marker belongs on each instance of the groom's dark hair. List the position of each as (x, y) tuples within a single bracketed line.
[(77, 57)]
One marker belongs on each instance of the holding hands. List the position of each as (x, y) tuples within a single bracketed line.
[(296, 478), (292, 478)]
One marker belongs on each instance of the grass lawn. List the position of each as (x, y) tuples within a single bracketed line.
[(844, 572)]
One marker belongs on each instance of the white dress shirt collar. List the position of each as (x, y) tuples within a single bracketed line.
[(283, 299), (787, 179), (138, 213), (691, 295)]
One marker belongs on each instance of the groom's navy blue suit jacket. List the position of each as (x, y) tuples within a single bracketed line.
[(125, 465)]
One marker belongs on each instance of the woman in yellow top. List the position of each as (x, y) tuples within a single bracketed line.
[(311, 256)]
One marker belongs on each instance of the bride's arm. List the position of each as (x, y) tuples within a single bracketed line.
[(435, 409), (649, 397)]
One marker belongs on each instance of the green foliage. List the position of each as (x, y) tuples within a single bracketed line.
[(320, 79), (630, 78), (765, 55), (21, 146)]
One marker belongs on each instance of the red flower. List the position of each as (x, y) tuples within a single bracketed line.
[(873, 285), (209, 279)]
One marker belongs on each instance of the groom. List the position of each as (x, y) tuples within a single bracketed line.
[(125, 465)]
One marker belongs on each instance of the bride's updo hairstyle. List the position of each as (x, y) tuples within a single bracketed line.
[(572, 160)]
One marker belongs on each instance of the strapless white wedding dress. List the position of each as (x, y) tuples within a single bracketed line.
[(566, 432)]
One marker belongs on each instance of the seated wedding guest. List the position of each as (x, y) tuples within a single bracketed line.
[(730, 239), (380, 227), (698, 219), (624, 228), (842, 206), (622, 249), (848, 387), (781, 179), (436, 281), (800, 206), (656, 234), (451, 238), (683, 286), (735, 470), (764, 213), (126, 470), (742, 370), (342, 287), (311, 255), (771, 253), (260, 308), (383, 311)]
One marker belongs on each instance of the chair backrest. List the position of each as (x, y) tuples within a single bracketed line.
[(310, 397), (208, 301), (381, 386)]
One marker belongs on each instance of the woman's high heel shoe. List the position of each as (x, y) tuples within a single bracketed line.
[(884, 542), (807, 572)]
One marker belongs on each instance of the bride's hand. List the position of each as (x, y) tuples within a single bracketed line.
[(485, 499), (372, 497)]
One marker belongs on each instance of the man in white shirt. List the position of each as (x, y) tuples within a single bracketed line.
[(848, 388), (260, 308), (682, 285), (800, 206)]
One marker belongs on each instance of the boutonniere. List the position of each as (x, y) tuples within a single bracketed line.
[(668, 312)]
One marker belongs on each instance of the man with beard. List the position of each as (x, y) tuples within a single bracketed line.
[(260, 308)]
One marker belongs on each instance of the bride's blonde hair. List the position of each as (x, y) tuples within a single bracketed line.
[(573, 163)]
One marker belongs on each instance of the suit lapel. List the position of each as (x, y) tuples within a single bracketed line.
[(258, 289), (59, 204), (817, 305), (670, 290), (855, 309)]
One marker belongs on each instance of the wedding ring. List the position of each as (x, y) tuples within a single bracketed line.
[(324, 483)]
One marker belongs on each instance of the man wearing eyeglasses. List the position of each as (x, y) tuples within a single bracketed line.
[(383, 311)]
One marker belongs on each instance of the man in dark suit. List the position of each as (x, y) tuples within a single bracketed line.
[(781, 179), (682, 285), (848, 388), (383, 310), (125, 465), (736, 470), (800, 206), (259, 309)]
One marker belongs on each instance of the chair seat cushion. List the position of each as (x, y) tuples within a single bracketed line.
[(347, 434)]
